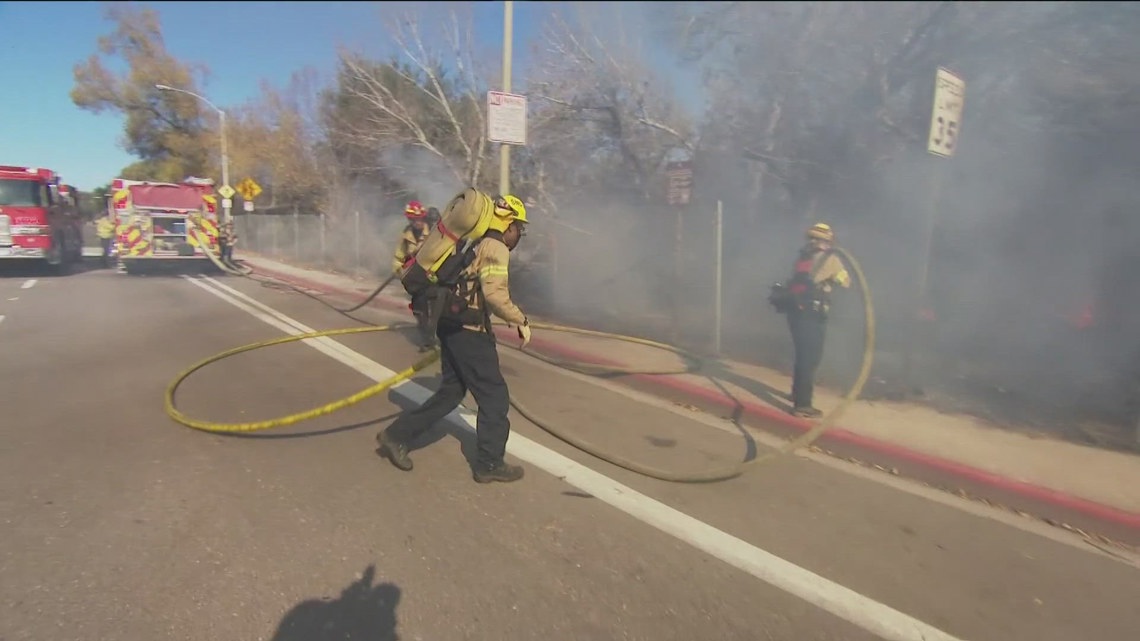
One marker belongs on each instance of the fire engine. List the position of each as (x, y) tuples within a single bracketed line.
[(39, 217), (153, 221)]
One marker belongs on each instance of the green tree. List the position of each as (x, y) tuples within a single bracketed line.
[(166, 130)]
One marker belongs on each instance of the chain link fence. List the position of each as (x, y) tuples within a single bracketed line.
[(356, 244), (648, 272)]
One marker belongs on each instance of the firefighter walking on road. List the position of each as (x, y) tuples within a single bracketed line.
[(817, 270), (105, 230), (469, 358)]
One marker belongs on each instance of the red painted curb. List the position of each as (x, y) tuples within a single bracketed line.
[(1098, 511)]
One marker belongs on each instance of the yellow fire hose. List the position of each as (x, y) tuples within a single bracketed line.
[(692, 364)]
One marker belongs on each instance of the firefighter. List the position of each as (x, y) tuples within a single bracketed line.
[(469, 358), (412, 237), (226, 241), (105, 230), (816, 271)]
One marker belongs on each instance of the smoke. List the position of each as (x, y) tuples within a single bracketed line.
[(1024, 237), (423, 175), (1030, 217)]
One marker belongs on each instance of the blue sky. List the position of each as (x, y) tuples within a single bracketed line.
[(41, 42)]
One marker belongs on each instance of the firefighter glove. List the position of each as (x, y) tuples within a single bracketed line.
[(524, 333)]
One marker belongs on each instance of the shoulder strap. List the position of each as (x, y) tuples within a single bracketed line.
[(819, 261)]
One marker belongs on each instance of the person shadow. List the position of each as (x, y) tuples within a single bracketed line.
[(718, 373), (363, 612), (442, 428)]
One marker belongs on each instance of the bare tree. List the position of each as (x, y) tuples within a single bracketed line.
[(600, 106), (275, 141), (425, 98)]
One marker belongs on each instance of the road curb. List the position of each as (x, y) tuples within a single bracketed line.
[(1050, 504)]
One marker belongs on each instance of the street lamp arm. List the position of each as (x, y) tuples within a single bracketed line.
[(222, 130), (190, 93)]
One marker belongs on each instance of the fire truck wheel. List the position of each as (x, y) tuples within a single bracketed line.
[(55, 256)]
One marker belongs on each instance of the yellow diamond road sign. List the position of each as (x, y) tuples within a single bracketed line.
[(226, 191), (248, 189)]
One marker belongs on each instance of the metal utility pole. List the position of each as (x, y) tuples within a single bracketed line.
[(225, 154), (505, 149)]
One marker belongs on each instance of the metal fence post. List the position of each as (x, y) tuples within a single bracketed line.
[(719, 280), (356, 215), (321, 221), (296, 235)]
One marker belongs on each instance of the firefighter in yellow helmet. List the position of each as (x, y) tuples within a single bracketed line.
[(470, 360), (105, 230), (817, 271)]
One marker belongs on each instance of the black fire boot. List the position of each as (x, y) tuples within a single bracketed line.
[(806, 412), (394, 451), (503, 472)]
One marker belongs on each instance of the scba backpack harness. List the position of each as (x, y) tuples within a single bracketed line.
[(801, 293)]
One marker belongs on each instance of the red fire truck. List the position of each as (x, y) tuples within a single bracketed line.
[(154, 222), (39, 217)]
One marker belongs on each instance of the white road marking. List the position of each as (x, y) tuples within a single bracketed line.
[(901, 484), (843, 602), (2, 317), (28, 284), (14, 298)]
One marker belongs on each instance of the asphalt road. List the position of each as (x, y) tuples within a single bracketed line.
[(118, 523)]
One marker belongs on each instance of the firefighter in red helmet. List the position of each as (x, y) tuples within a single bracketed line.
[(412, 237)]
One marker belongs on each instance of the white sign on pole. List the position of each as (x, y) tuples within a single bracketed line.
[(506, 118), (946, 119), (248, 205)]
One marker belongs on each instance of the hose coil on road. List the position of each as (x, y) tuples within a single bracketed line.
[(692, 363)]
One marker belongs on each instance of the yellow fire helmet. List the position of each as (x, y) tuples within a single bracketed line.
[(513, 205), (508, 209), (821, 231)]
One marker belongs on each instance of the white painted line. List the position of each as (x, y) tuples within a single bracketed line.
[(843, 602), (2, 318), (28, 284), (897, 483), (14, 298)]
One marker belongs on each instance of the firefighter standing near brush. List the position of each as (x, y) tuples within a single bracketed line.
[(413, 236), (806, 300), (463, 306)]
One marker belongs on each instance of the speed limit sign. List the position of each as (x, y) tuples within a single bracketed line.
[(945, 121)]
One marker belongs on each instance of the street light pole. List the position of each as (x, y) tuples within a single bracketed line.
[(225, 169), (504, 148), (226, 217)]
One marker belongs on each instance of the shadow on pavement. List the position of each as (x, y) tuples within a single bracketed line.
[(442, 428), (717, 373), (363, 611), (36, 269)]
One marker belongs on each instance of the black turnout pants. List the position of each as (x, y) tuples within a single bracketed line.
[(808, 331), (469, 361)]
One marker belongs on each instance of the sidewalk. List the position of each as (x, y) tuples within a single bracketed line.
[(1053, 479)]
